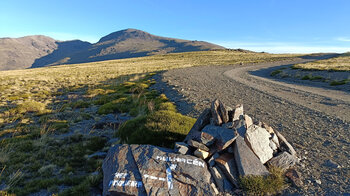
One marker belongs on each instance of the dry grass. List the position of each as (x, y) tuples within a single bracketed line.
[(340, 63)]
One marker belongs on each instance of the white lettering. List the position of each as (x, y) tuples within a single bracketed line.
[(189, 161)]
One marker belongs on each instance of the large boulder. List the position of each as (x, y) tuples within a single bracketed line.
[(151, 170)]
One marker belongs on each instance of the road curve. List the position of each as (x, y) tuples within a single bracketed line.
[(313, 119)]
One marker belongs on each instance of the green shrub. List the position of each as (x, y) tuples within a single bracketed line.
[(161, 128), (80, 104), (275, 72), (338, 82), (264, 185), (306, 77), (31, 106)]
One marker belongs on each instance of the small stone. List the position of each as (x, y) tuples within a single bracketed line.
[(223, 112), (215, 112), (227, 164), (274, 139), (238, 112), (332, 164), (240, 126), (247, 162), (285, 144), (257, 139), (318, 181), (202, 121), (267, 127), (294, 177), (248, 121), (201, 154), (181, 147), (207, 139), (223, 137), (283, 160), (273, 146), (198, 145)]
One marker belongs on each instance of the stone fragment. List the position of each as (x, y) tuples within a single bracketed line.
[(285, 144), (201, 154), (238, 112), (223, 137), (198, 145), (332, 164), (294, 177), (215, 112), (248, 121), (257, 139), (202, 121), (273, 145), (222, 183), (274, 139), (267, 127), (223, 112), (247, 162), (240, 126), (207, 139), (182, 148), (283, 160), (151, 170), (227, 164)]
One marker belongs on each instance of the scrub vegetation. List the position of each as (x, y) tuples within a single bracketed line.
[(339, 63), (48, 142)]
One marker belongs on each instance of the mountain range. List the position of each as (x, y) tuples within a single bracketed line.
[(40, 51)]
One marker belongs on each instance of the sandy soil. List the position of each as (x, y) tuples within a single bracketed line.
[(314, 119)]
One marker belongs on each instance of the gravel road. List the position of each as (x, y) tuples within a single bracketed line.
[(314, 119)]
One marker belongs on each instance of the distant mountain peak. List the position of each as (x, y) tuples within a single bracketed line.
[(126, 34)]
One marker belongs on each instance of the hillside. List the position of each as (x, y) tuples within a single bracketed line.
[(20, 53), (41, 51)]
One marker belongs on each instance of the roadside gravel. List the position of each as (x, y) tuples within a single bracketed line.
[(315, 120)]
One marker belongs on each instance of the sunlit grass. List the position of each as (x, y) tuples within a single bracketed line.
[(340, 63)]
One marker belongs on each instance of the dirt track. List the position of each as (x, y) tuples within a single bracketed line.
[(314, 119)]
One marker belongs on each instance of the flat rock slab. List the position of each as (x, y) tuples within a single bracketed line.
[(247, 162), (258, 139), (223, 137), (151, 170), (202, 120), (227, 164)]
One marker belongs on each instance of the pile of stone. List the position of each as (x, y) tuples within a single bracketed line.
[(222, 145)]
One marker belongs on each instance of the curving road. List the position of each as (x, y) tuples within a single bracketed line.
[(314, 119)]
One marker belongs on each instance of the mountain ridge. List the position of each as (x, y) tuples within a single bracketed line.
[(41, 51)]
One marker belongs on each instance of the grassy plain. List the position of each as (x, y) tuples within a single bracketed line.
[(43, 144), (339, 63)]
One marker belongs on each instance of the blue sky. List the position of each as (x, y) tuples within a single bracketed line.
[(260, 25)]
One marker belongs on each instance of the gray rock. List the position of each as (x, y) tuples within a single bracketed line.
[(215, 112), (108, 120), (227, 164), (285, 144), (257, 139), (223, 137), (198, 145), (294, 177), (181, 147), (238, 112), (223, 112), (222, 183), (267, 127), (283, 160), (201, 154), (247, 162), (202, 121), (151, 170), (332, 164), (240, 126), (273, 145)]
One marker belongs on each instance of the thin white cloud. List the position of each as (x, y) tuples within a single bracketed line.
[(343, 39), (280, 47)]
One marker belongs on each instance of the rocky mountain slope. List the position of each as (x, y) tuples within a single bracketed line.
[(40, 51)]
